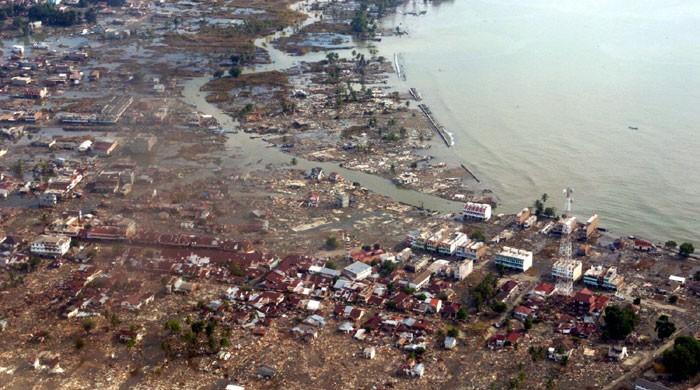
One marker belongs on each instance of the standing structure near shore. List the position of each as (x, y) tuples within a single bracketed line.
[(438, 129), (476, 211)]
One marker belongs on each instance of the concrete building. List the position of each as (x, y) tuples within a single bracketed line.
[(476, 211), (471, 250), (522, 216), (459, 270), (449, 245), (643, 384), (567, 269), (357, 271), (600, 277), (518, 259), (50, 245), (565, 226)]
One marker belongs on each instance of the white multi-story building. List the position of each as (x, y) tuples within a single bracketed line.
[(432, 243), (514, 258), (567, 269), (449, 245), (612, 280), (477, 211), (461, 269), (565, 226), (357, 271), (600, 277), (50, 245), (593, 275), (472, 250)]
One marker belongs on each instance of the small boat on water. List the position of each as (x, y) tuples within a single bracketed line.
[(633, 128)]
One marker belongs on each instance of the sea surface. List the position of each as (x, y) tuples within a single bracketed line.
[(541, 94)]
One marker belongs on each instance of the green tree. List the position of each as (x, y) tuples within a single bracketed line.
[(619, 322), (686, 249), (18, 168), (332, 57), (91, 16), (484, 291), (664, 327), (235, 71), (79, 343), (461, 314), (88, 325), (478, 235), (539, 207), (670, 244), (683, 359), (528, 323), (173, 326), (218, 73), (197, 327), (453, 332), (498, 307), (236, 270), (550, 212), (332, 243)]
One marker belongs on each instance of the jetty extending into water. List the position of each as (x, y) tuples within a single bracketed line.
[(442, 132), (398, 68), (470, 172), (415, 94)]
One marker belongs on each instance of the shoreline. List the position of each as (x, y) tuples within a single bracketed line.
[(397, 85)]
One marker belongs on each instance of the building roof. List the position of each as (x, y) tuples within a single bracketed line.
[(544, 288), (642, 383), (357, 268)]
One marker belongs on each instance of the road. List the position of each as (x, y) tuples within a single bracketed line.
[(644, 363)]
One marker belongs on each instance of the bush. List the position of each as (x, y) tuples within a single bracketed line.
[(498, 307), (173, 326), (88, 325)]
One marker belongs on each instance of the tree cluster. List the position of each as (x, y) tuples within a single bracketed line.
[(619, 322), (686, 249), (542, 210), (52, 16), (484, 291), (664, 327), (683, 359)]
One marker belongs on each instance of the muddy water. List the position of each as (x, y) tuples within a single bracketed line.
[(541, 94), (253, 154)]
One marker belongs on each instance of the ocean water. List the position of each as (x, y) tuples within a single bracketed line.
[(540, 95)]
